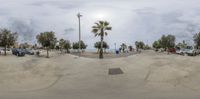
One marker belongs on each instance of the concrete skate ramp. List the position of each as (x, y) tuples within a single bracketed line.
[(27, 74), (148, 75)]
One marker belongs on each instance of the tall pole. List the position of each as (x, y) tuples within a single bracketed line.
[(115, 46), (79, 16)]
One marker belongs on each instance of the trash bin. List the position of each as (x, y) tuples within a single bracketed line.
[(117, 52)]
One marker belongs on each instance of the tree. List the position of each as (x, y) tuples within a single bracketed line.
[(197, 39), (167, 41), (47, 40), (182, 45), (53, 43), (171, 41), (62, 44), (35, 46), (67, 46), (24, 45), (123, 47), (156, 45), (130, 48), (139, 45), (7, 39), (147, 47), (83, 45), (100, 30), (163, 42), (97, 45), (75, 45)]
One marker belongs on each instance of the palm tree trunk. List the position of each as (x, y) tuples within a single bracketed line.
[(5, 50), (101, 49), (47, 52)]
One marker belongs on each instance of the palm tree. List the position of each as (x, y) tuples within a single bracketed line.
[(100, 30), (123, 47)]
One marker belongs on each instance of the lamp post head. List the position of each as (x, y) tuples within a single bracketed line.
[(79, 15)]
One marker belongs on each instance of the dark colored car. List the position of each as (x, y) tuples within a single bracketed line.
[(172, 50), (29, 52), (18, 52)]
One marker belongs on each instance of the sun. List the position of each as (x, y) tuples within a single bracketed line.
[(100, 15)]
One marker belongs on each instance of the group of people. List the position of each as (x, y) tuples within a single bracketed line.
[(123, 50)]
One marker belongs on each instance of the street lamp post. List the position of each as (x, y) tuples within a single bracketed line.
[(79, 16), (115, 46)]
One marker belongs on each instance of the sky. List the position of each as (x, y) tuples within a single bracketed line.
[(131, 20)]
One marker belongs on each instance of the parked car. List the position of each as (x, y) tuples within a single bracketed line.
[(29, 51), (18, 52), (192, 51), (198, 51), (172, 50), (1, 51), (161, 50), (181, 51)]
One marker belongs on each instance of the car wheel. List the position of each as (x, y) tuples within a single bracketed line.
[(182, 53)]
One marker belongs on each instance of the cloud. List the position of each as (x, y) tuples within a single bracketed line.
[(69, 31), (61, 4), (24, 28), (153, 22), (131, 20)]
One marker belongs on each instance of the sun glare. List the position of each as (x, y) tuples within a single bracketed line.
[(100, 16)]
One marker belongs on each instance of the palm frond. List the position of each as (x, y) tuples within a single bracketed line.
[(95, 30), (100, 28), (106, 23), (95, 27), (97, 24), (106, 33), (108, 28), (101, 23), (96, 34)]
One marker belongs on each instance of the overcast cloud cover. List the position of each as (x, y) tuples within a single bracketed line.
[(132, 20)]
